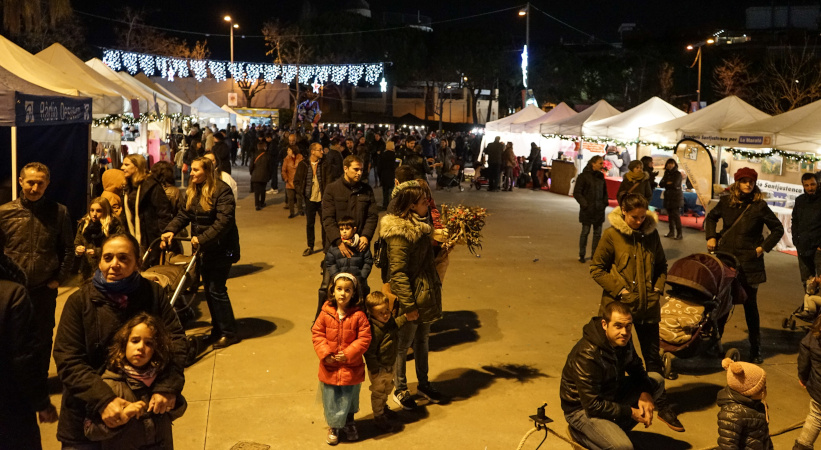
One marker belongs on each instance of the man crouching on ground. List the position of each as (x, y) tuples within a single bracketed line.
[(599, 402)]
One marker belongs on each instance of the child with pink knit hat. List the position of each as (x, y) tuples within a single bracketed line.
[(743, 421)]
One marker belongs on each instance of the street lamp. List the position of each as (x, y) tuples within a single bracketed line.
[(529, 94), (233, 25), (698, 60)]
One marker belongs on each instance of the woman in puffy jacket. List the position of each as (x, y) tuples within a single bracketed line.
[(744, 214), (209, 208)]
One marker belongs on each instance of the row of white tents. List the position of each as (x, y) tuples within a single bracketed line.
[(730, 122)]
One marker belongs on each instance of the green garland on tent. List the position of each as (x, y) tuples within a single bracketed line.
[(128, 118), (749, 153)]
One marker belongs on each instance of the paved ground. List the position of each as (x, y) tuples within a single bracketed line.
[(511, 317)]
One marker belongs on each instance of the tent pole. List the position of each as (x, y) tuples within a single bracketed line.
[(717, 177), (88, 167), (14, 163)]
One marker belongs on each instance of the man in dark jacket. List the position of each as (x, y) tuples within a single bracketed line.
[(415, 160), (494, 152), (599, 402), (591, 194), (222, 152), (377, 146), (249, 145), (333, 159), (349, 196), (310, 180), (535, 162), (36, 234), (24, 390), (274, 158), (806, 228), (387, 172)]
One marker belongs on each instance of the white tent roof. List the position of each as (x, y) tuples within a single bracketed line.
[(142, 78), (795, 130), (572, 126), (705, 125), (240, 117), (36, 71), (560, 112), (165, 104), (206, 109), (527, 114), (59, 56), (625, 126)]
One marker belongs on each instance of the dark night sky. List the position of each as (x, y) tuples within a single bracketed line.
[(600, 18)]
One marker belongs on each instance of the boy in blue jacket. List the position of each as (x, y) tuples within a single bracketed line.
[(359, 264)]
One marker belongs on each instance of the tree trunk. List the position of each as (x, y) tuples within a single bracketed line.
[(296, 98)]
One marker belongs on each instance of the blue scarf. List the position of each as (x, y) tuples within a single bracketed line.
[(118, 291)]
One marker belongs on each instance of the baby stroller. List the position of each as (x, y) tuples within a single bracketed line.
[(808, 311), (177, 274), (477, 178), (704, 288), (451, 178)]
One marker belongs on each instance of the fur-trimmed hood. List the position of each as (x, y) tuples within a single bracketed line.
[(411, 229), (10, 271), (617, 221)]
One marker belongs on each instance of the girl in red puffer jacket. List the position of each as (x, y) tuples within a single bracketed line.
[(341, 335)]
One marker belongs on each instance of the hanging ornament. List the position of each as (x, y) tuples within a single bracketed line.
[(317, 86)]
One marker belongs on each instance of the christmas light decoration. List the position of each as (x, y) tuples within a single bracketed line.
[(354, 74), (271, 72), (217, 69), (316, 85), (128, 118), (130, 62), (221, 70), (147, 64), (338, 74), (288, 74), (111, 58), (200, 69)]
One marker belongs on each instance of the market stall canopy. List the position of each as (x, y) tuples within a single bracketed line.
[(706, 125), (525, 115), (186, 108), (165, 104), (625, 126), (26, 104), (34, 70), (239, 120), (206, 109), (797, 130), (560, 112), (572, 126), (59, 56)]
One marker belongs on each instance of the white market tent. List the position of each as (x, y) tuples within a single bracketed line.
[(142, 78), (795, 130), (237, 119), (706, 125), (573, 126), (59, 56), (625, 126), (525, 115), (210, 111), (34, 70), (130, 83), (560, 112)]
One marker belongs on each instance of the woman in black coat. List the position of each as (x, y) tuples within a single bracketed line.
[(673, 197), (591, 194), (91, 317), (744, 214), (146, 208), (209, 208)]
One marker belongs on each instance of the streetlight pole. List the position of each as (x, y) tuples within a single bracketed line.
[(529, 99), (698, 60), (232, 25)]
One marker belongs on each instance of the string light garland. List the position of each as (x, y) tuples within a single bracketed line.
[(128, 118), (221, 70), (745, 152)]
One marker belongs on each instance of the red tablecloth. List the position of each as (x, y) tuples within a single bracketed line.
[(613, 184)]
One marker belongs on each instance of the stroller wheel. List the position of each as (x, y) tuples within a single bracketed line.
[(791, 323), (667, 364), (733, 354), (785, 323)]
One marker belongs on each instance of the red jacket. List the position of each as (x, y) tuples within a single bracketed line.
[(352, 335)]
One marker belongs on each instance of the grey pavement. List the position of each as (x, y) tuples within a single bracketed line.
[(511, 316)]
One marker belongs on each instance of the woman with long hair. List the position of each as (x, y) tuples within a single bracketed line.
[(146, 208), (673, 197), (744, 214), (210, 208)]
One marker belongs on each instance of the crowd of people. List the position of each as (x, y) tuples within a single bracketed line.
[(121, 349)]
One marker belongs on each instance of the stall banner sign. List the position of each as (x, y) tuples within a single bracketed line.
[(232, 99), (729, 139), (38, 110), (698, 164), (780, 194)]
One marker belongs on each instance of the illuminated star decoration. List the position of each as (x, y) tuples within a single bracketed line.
[(383, 85), (171, 74), (316, 85)]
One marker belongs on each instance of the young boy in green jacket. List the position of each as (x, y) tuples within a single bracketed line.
[(381, 354)]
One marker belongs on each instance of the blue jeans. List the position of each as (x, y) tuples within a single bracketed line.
[(416, 335), (595, 433), (338, 402), (583, 238)]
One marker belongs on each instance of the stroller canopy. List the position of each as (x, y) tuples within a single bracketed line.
[(707, 274)]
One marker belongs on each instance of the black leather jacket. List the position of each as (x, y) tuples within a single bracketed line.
[(595, 372), (38, 237)]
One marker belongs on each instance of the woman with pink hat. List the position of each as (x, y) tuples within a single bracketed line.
[(744, 214)]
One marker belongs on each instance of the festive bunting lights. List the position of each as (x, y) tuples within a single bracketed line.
[(128, 118), (221, 70)]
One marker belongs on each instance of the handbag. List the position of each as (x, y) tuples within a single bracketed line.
[(380, 253)]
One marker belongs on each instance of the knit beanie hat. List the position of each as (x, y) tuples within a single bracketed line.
[(746, 172), (747, 379)]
